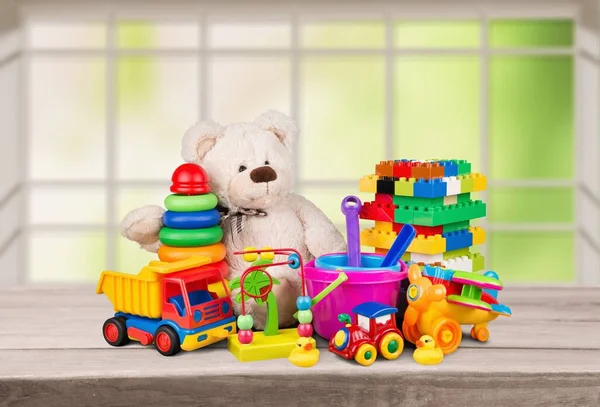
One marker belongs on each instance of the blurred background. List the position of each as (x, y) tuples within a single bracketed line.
[(95, 97)]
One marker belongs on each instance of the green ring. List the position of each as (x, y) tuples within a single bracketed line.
[(191, 203), (191, 237)]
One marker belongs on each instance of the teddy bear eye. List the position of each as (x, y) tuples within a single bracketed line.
[(242, 168), (267, 162)]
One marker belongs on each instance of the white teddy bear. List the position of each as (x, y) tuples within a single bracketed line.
[(250, 166)]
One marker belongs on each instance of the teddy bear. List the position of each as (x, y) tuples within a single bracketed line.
[(250, 166)]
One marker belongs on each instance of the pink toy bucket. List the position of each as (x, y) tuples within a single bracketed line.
[(362, 286)]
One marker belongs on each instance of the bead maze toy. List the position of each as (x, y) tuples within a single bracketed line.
[(372, 330), (169, 304), (257, 283), (441, 300), (371, 277), (435, 196)]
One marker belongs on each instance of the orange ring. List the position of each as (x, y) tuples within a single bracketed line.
[(216, 252)]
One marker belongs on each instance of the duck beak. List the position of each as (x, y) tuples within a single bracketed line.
[(419, 344), (308, 346)]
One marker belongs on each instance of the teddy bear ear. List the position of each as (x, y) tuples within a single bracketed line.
[(199, 140), (281, 125)]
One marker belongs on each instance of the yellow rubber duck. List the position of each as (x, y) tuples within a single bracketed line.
[(426, 352), (305, 354)]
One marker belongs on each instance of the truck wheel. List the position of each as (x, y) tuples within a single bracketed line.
[(366, 354), (167, 341), (391, 345), (115, 331)]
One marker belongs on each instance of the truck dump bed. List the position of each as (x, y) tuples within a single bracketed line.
[(141, 294)]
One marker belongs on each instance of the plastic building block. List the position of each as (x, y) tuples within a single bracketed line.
[(464, 167), (427, 170), (460, 198), (384, 199), (385, 226), (375, 238), (450, 200), (430, 188), (149, 311), (379, 250), (405, 187), (385, 168), (403, 168), (371, 332), (377, 212), (417, 201), (368, 184), (437, 258), (421, 230), (478, 235), (440, 215), (386, 185), (472, 262), (479, 181), (453, 227), (453, 185), (428, 244), (467, 183), (450, 168), (458, 240), (264, 347)]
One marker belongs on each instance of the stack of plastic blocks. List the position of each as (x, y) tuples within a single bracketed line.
[(191, 222), (434, 196)]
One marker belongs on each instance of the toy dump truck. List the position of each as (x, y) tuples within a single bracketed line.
[(173, 305)]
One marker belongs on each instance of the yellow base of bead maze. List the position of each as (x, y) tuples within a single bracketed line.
[(264, 347)]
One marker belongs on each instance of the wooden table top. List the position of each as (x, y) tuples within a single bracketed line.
[(52, 353)]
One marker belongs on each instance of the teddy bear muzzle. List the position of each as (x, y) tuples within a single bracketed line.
[(263, 174)]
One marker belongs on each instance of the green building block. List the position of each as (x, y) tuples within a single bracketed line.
[(440, 215), (467, 184), (417, 201), (405, 187), (478, 261), (456, 253), (453, 227), (464, 167), (460, 198)]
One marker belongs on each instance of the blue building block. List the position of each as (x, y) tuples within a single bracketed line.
[(450, 168), (430, 188), (458, 239)]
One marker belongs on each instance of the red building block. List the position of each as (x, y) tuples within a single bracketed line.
[(384, 199), (385, 168), (427, 171), (421, 230), (403, 169), (377, 211)]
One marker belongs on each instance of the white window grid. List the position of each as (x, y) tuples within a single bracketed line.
[(295, 52)]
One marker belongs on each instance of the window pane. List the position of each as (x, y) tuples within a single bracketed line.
[(536, 257), (531, 111), (130, 257), (143, 34), (157, 103), (67, 256), (342, 102), (348, 34), (531, 205), (531, 33), (437, 34), (67, 118), (437, 103), (56, 205), (10, 100), (133, 198), (50, 35), (241, 88), (249, 35), (11, 217)]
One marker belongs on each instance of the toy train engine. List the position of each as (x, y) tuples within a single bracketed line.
[(373, 329)]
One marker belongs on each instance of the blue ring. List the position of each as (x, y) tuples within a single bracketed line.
[(191, 220), (295, 259), (346, 339)]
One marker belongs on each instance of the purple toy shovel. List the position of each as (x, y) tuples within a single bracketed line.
[(351, 208)]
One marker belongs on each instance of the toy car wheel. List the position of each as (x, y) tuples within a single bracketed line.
[(166, 341), (391, 346), (482, 334), (366, 354), (411, 333), (447, 334), (114, 331)]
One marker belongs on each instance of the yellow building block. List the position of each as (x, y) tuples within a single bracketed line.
[(376, 238), (479, 181), (264, 347), (428, 244), (478, 235), (368, 183), (384, 226)]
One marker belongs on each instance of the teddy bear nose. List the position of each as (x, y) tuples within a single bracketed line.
[(263, 174)]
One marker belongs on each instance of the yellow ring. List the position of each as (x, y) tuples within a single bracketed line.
[(385, 342), (216, 252), (366, 349)]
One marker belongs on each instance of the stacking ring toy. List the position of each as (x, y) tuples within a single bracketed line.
[(215, 252), (191, 203), (191, 220), (190, 237)]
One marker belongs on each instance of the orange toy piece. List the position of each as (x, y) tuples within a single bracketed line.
[(216, 252)]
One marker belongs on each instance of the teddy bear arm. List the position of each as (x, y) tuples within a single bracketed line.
[(142, 225), (321, 235)]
